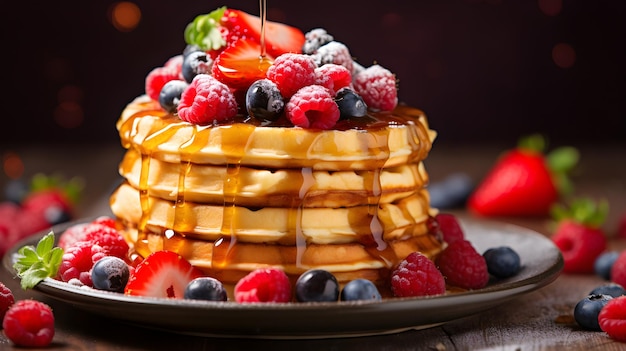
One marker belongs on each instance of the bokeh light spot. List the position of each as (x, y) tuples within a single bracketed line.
[(12, 165), (125, 16), (563, 55), (69, 115), (550, 7)]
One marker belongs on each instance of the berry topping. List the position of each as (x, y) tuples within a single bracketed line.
[(350, 104), (105, 221), (162, 274), (156, 79), (240, 64), (6, 299), (502, 261), (377, 86), (291, 72), (463, 266), (334, 52), (360, 289), (109, 239), (611, 289), (314, 39), (78, 260), (334, 77), (205, 288), (603, 264), (587, 310), (29, 323), (450, 228), (169, 98), (417, 275), (263, 100), (110, 273), (263, 285), (175, 63), (312, 107), (317, 285), (206, 101), (196, 62), (612, 318), (618, 271)]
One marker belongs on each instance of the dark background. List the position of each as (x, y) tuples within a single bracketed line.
[(482, 70)]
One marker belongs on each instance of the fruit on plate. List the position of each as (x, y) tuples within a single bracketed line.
[(579, 234), (524, 181)]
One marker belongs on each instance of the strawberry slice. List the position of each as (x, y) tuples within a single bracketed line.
[(241, 64), (162, 274), (524, 182), (280, 38)]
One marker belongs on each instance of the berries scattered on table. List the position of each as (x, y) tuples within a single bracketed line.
[(263, 285), (317, 285), (417, 275), (502, 261), (110, 273), (603, 264), (611, 289), (450, 192), (618, 271), (205, 288), (462, 266), (587, 310), (360, 289), (29, 323), (6, 299), (612, 318)]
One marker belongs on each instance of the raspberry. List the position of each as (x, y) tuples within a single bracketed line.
[(417, 275), (334, 52), (206, 100), (463, 266), (78, 260), (105, 220), (312, 107), (580, 245), (449, 227), (6, 299), (175, 63), (612, 318), (109, 239), (29, 323), (73, 234), (291, 72), (314, 39), (156, 79), (333, 77), (618, 271), (377, 86), (264, 285)]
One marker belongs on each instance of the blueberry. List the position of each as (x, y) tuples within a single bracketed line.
[(350, 104), (603, 264), (502, 261), (611, 289), (190, 48), (451, 192), (587, 310), (317, 285), (169, 97), (205, 288), (110, 273), (196, 62), (360, 289), (264, 101), (16, 190)]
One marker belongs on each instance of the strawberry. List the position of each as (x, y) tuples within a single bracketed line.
[(280, 38), (162, 274), (524, 181), (241, 64), (579, 234)]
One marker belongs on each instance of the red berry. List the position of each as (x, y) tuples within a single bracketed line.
[(417, 275), (336, 53), (105, 220), (449, 227), (6, 299), (239, 65), (618, 271), (29, 323), (612, 318), (333, 77), (109, 239), (264, 285), (580, 245), (72, 234), (206, 101), (291, 72), (621, 228), (156, 79), (377, 87), (175, 63), (312, 107), (78, 260), (463, 266)]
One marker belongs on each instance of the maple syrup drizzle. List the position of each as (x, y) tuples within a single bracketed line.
[(263, 15)]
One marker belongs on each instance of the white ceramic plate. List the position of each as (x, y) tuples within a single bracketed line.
[(541, 264)]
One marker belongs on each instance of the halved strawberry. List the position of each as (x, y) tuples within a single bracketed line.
[(241, 64), (280, 38), (162, 274)]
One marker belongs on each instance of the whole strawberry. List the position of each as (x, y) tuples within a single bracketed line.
[(524, 181), (579, 234)]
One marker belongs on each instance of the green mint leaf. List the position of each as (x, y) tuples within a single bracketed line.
[(34, 264), (204, 30)]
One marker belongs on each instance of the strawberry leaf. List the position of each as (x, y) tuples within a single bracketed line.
[(34, 264), (533, 142), (585, 211), (205, 32)]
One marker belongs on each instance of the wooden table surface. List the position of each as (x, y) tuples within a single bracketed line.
[(540, 320)]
